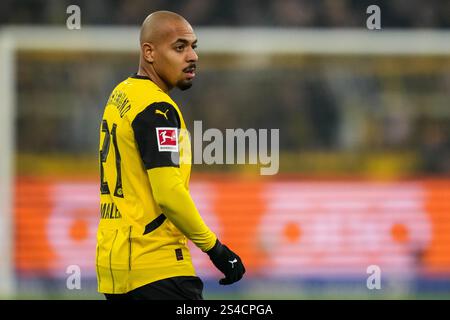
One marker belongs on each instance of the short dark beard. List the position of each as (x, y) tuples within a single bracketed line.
[(184, 85)]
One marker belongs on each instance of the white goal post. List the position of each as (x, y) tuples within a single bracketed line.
[(237, 41)]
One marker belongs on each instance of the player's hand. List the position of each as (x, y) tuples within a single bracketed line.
[(228, 262)]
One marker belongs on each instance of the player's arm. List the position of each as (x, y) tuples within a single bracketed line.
[(177, 204), (158, 123), (170, 192)]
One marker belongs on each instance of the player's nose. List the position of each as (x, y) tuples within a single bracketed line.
[(192, 55)]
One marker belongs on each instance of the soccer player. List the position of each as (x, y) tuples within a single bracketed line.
[(147, 214)]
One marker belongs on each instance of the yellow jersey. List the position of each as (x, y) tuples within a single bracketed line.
[(146, 212)]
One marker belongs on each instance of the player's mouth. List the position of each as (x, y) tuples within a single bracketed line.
[(190, 71)]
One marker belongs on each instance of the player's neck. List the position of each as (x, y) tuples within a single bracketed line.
[(152, 75)]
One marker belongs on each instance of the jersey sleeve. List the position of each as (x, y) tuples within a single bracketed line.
[(156, 131), (178, 206)]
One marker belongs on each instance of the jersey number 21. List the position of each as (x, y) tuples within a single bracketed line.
[(104, 189)]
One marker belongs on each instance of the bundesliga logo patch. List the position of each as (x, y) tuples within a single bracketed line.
[(167, 139)]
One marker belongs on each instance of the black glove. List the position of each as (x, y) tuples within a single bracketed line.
[(226, 261)]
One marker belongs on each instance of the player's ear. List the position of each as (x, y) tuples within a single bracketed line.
[(148, 51)]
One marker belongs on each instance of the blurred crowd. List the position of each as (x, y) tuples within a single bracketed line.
[(351, 107), (283, 13)]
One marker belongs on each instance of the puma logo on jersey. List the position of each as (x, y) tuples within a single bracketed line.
[(232, 262), (162, 113)]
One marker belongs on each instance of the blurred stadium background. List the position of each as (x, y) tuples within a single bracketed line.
[(364, 121)]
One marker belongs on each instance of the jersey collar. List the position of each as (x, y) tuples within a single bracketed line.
[(136, 76)]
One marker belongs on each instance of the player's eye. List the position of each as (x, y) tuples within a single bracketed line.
[(194, 46), (180, 47)]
